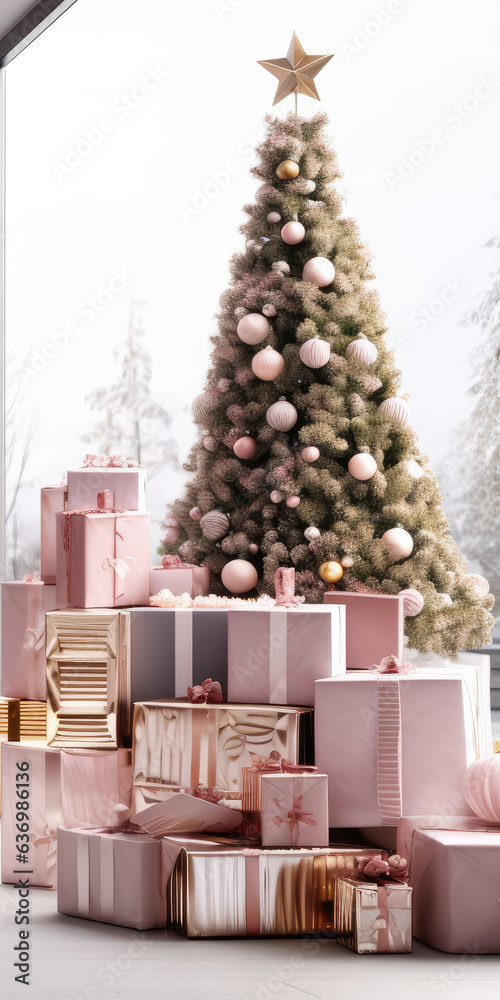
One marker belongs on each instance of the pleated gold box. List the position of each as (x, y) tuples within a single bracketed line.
[(178, 744), (220, 891), (373, 918)]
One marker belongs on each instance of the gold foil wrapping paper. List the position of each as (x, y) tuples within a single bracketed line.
[(180, 744), (216, 891), (21, 721), (373, 918)]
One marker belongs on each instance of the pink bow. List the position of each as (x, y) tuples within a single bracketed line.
[(284, 588), (209, 691), (207, 793), (32, 578), (391, 665), (395, 868), (173, 562), (276, 762), (108, 462), (294, 816)]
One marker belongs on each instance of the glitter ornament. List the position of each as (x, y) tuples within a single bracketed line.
[(253, 328), (310, 453), (268, 364), (253, 548), (293, 233), (399, 543), (239, 576), (362, 349), (287, 170), (318, 271), (276, 496), (240, 311), (315, 353), (269, 309), (274, 217), (292, 501), (312, 533), (347, 562), (281, 416), (395, 410), (331, 571), (245, 448), (215, 524), (362, 466), (413, 601), (195, 513), (202, 406)]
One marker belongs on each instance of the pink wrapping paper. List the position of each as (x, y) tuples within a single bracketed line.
[(52, 500), (128, 486), (294, 810), (104, 560), (45, 813), (374, 626), (93, 783), (275, 655), (116, 878), (23, 638), (193, 580), (455, 874), (396, 745)]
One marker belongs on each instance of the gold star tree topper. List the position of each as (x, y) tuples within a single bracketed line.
[(296, 72)]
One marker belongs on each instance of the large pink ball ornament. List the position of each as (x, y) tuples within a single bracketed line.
[(315, 353), (362, 466), (281, 416), (362, 349), (399, 542), (310, 453), (267, 364), (239, 576), (482, 788), (413, 601), (318, 271), (245, 448), (253, 328), (395, 410), (293, 233)]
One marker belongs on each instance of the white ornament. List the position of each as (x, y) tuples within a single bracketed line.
[(318, 271), (281, 416), (415, 470), (281, 267), (215, 524), (315, 353), (362, 466), (274, 217), (276, 496), (253, 328), (480, 582), (347, 562), (413, 601), (312, 533), (269, 309), (293, 233), (395, 410), (239, 576), (362, 350), (399, 542)]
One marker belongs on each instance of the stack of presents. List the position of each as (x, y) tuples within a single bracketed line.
[(232, 768)]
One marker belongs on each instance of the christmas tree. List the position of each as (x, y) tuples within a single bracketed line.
[(306, 457)]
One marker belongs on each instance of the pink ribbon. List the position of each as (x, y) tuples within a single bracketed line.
[(294, 816), (391, 665), (173, 562), (108, 462), (284, 588), (32, 578), (275, 762), (208, 691), (395, 868)]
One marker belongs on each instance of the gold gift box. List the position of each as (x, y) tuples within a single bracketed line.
[(178, 744), (21, 721), (373, 917), (220, 891)]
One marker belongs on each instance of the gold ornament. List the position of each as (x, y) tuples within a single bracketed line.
[(331, 571), (287, 169), (296, 72)]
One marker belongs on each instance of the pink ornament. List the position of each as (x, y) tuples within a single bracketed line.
[(315, 353), (362, 350), (310, 454), (274, 217), (253, 548), (482, 788), (215, 524), (292, 501), (245, 448), (312, 533), (202, 406), (399, 542), (209, 443), (395, 410), (269, 309), (239, 576), (318, 271), (267, 364), (276, 496), (281, 416), (413, 601), (292, 233), (253, 328), (362, 466), (195, 513), (347, 562)]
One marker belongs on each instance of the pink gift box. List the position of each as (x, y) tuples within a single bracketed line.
[(374, 627), (116, 878), (42, 765), (397, 744), (23, 638), (455, 874), (294, 810), (102, 559), (275, 655), (52, 500), (128, 486), (192, 580), (93, 783)]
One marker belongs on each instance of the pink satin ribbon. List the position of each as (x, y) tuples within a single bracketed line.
[(208, 691), (252, 891), (296, 814)]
